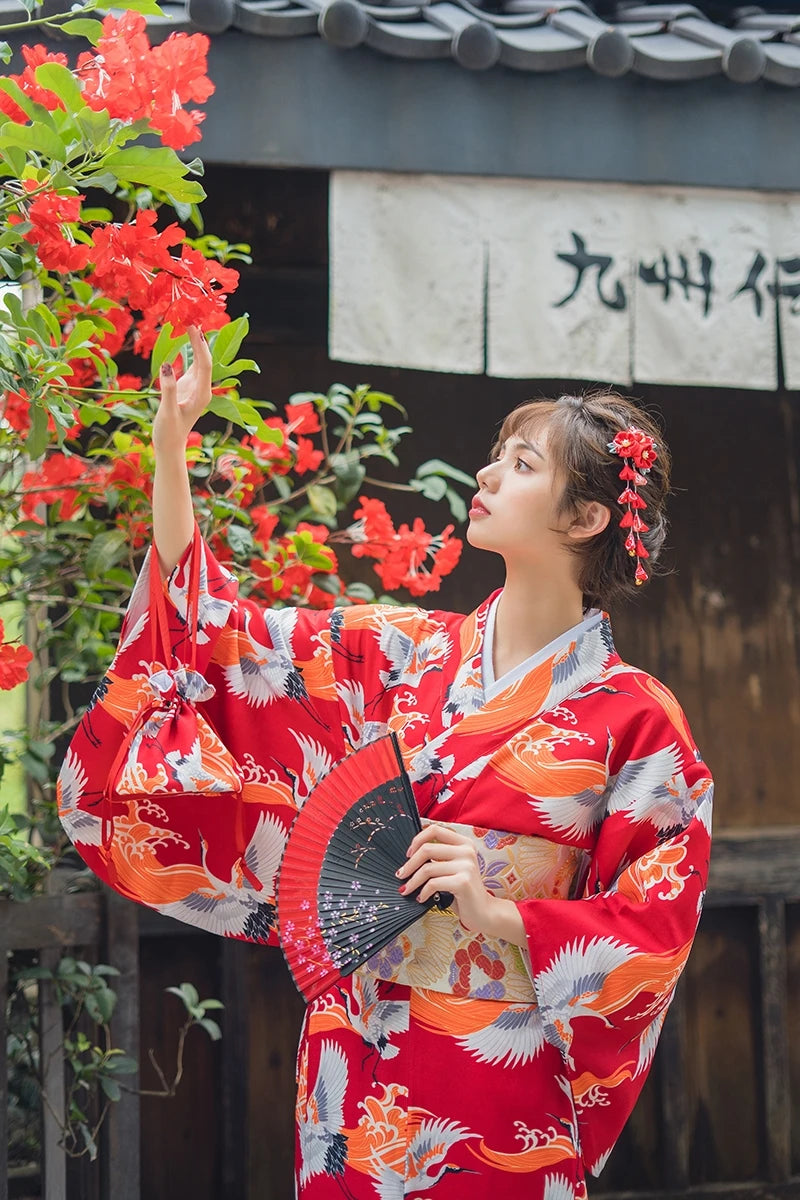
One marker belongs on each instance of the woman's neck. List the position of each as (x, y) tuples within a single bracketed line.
[(530, 616)]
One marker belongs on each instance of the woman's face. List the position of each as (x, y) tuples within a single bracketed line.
[(515, 512)]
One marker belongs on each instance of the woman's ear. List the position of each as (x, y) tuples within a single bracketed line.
[(590, 519)]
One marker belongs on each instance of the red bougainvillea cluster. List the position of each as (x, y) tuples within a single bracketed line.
[(408, 557), (132, 262), (130, 79), (14, 662)]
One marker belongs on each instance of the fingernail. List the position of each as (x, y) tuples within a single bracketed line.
[(402, 889), (166, 369)]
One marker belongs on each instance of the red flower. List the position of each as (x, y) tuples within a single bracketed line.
[(50, 215), (127, 473), (274, 455), (402, 554), (133, 81), (17, 411), (126, 258), (264, 521), (180, 73), (34, 57), (116, 75), (14, 661), (190, 290), (373, 531), (307, 458), (55, 483), (302, 418), (128, 383)]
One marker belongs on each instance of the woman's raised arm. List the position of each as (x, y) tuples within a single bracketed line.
[(182, 404)]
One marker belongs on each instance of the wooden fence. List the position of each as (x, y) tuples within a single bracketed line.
[(720, 1116)]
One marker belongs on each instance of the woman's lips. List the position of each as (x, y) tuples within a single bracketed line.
[(478, 509)]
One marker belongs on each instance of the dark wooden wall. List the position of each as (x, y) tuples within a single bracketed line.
[(721, 629)]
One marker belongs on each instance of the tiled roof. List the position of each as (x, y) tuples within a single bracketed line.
[(659, 41)]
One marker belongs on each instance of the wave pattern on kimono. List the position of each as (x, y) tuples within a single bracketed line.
[(579, 774)]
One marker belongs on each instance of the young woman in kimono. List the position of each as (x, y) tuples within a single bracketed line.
[(494, 1050)]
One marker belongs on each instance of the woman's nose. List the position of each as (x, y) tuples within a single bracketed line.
[(486, 475)]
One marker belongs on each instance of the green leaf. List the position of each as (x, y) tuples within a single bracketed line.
[(166, 348), (435, 466), (226, 342), (23, 101), (207, 1004), (122, 1064), (148, 7), (58, 79), (79, 337), (15, 157), (360, 591), (211, 1027), (110, 1087), (36, 441), (187, 992), (11, 263), (89, 1142), (84, 27), (94, 126), (38, 138), (433, 488), (156, 168), (322, 500), (104, 552), (6, 53), (457, 504)]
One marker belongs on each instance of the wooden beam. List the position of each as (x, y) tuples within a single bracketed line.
[(720, 1191), (51, 921), (674, 1074), (121, 1150), (747, 864), (51, 1050), (774, 1038), (3, 1076)]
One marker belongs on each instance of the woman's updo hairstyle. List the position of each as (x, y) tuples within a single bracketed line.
[(578, 430)]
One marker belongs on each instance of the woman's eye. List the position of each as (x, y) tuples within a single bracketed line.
[(521, 465)]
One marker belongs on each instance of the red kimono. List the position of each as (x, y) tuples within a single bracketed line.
[(450, 1065)]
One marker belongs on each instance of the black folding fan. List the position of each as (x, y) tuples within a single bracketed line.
[(337, 893)]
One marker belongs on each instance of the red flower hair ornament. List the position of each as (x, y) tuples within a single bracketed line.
[(638, 452)]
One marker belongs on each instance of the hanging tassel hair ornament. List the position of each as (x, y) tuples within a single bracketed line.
[(638, 452)]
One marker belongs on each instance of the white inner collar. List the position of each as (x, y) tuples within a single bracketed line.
[(492, 686)]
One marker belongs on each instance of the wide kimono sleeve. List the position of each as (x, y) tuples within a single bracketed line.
[(605, 965), (204, 856)]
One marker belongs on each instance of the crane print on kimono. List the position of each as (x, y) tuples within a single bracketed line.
[(578, 780)]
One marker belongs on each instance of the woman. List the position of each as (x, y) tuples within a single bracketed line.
[(494, 1050)]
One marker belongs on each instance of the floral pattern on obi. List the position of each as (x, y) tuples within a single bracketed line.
[(438, 953)]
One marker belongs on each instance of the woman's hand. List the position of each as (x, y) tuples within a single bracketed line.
[(441, 860), (183, 401)]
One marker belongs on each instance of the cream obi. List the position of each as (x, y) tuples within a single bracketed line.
[(437, 952)]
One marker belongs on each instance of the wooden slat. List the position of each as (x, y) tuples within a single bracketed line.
[(3, 1077), (51, 921), (774, 1033), (673, 1063), (717, 1191), (51, 1049), (235, 1067), (747, 864), (120, 1159)]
